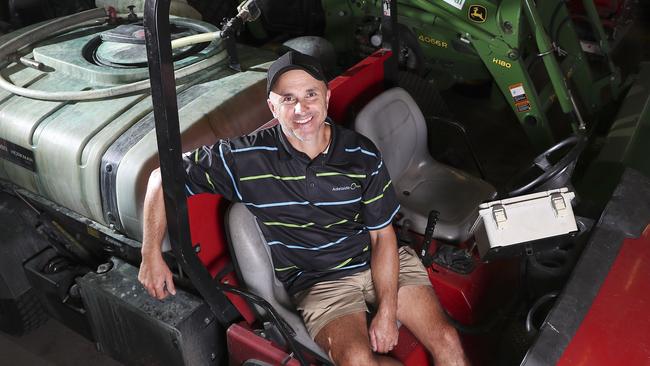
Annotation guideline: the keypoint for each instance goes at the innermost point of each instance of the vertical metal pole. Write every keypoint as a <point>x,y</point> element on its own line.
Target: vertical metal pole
<point>389,20</point>
<point>165,109</point>
<point>546,51</point>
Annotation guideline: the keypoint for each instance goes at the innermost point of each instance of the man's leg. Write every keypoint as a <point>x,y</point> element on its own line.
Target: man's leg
<point>346,340</point>
<point>418,309</point>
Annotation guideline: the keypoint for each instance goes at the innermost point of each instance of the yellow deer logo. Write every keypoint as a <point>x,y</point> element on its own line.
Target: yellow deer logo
<point>477,13</point>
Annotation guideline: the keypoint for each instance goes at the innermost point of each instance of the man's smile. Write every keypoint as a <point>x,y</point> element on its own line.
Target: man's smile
<point>303,120</point>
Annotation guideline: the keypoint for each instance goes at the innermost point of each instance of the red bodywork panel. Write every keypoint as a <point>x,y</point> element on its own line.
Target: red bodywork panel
<point>357,86</point>
<point>616,329</point>
<point>244,344</point>
<point>207,229</point>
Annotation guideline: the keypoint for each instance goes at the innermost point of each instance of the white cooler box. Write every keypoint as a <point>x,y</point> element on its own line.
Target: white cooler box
<point>524,219</point>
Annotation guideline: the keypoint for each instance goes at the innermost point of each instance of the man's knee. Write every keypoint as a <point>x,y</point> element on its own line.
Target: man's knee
<point>447,333</point>
<point>354,356</point>
<point>444,338</point>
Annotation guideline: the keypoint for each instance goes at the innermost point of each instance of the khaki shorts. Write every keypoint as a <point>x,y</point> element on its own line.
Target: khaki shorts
<point>328,300</point>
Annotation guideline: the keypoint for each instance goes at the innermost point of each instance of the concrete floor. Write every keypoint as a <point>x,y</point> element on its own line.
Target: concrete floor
<point>52,344</point>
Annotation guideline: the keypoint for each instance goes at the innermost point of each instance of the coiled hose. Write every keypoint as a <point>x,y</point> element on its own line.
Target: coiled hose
<point>47,29</point>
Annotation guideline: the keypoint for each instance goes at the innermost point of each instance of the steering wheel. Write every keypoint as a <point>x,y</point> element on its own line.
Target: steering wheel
<point>549,170</point>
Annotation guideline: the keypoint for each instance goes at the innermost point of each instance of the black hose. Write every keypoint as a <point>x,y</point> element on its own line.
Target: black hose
<point>556,10</point>
<point>530,328</point>
<point>559,27</point>
<point>283,327</point>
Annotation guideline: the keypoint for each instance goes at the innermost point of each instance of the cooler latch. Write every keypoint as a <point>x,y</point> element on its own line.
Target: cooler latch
<point>559,205</point>
<point>499,215</point>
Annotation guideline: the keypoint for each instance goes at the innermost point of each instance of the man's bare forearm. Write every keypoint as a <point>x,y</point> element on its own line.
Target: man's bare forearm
<point>385,269</point>
<point>154,219</point>
<point>154,274</point>
<point>384,265</point>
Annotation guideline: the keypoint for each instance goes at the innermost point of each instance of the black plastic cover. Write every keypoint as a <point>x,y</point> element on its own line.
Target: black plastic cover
<point>136,329</point>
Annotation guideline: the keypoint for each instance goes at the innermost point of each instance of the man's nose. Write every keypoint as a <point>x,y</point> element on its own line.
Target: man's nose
<point>297,108</point>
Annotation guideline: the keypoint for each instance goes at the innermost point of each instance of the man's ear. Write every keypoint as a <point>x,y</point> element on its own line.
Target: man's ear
<point>271,107</point>
<point>327,97</point>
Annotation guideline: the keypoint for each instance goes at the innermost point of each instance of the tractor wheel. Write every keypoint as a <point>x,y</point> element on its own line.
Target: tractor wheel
<point>21,315</point>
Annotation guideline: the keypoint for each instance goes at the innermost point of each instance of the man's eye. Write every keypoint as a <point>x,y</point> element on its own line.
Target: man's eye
<point>312,95</point>
<point>288,99</point>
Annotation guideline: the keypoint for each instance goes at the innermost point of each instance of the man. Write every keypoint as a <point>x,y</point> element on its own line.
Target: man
<point>324,202</point>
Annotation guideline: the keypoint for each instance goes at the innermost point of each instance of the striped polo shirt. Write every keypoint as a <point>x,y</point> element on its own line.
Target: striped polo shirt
<point>315,214</point>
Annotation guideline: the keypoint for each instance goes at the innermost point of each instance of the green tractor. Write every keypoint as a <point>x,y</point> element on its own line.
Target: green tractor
<point>534,53</point>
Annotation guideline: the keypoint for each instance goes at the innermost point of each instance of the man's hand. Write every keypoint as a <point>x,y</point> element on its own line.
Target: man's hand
<point>383,333</point>
<point>156,277</point>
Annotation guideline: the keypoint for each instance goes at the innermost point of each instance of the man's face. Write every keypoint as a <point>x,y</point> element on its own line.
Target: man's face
<point>299,102</point>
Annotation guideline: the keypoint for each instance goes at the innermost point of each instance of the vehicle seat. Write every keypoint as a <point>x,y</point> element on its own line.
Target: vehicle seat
<point>252,259</point>
<point>393,121</point>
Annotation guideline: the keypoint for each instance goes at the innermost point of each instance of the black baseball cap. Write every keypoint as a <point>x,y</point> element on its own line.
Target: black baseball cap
<point>294,60</point>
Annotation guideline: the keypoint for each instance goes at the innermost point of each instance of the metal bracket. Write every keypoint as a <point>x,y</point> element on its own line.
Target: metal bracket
<point>500,217</point>
<point>559,205</point>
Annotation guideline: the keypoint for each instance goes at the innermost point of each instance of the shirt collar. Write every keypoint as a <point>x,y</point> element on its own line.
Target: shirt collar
<point>287,151</point>
<point>334,154</point>
<point>284,152</point>
<point>332,157</point>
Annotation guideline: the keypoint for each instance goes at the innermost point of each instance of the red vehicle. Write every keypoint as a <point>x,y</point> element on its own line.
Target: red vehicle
<point>570,299</point>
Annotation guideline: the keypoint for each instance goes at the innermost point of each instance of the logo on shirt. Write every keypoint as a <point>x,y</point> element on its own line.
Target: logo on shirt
<point>351,187</point>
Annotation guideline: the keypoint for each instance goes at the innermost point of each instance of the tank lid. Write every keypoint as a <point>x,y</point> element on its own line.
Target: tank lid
<point>124,46</point>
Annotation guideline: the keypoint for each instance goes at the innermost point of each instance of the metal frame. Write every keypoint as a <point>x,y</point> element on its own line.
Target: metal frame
<point>163,93</point>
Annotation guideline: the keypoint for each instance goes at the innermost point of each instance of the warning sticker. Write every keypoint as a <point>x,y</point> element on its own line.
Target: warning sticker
<point>518,93</point>
<point>519,96</point>
<point>522,106</point>
<point>458,4</point>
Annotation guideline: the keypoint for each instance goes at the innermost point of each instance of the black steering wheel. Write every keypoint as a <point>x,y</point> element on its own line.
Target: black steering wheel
<point>576,143</point>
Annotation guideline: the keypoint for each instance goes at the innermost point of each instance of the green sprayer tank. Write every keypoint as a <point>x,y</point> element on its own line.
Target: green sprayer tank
<point>76,121</point>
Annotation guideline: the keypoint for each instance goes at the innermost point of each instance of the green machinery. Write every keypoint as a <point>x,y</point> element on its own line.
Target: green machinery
<point>459,41</point>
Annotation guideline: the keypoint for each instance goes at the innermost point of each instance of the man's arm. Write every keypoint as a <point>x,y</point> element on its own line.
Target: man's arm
<point>385,270</point>
<point>154,273</point>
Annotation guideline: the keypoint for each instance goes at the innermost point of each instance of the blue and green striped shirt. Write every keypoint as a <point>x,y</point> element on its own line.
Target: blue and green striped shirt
<point>315,214</point>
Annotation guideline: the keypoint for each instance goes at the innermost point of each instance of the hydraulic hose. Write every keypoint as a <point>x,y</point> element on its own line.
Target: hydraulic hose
<point>46,30</point>
<point>194,39</point>
<point>107,92</point>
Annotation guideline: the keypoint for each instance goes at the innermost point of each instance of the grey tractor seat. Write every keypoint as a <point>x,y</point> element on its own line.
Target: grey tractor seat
<point>252,258</point>
<point>393,121</point>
